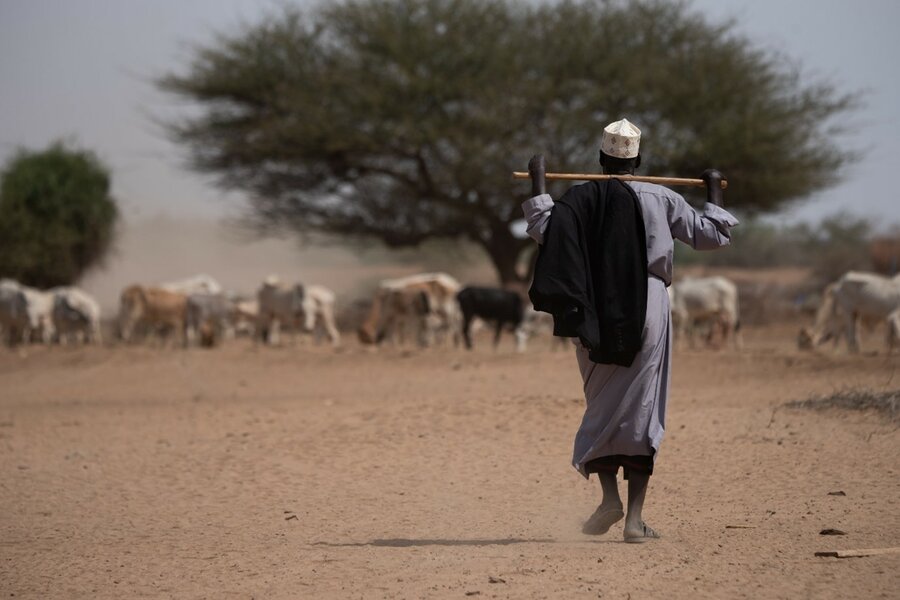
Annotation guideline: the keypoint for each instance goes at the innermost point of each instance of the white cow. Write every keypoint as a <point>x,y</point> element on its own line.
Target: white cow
<point>535,323</point>
<point>423,304</point>
<point>320,302</point>
<point>75,313</point>
<point>856,296</point>
<point>245,316</point>
<point>893,322</point>
<point>40,314</point>
<point>198,284</point>
<point>38,307</point>
<point>208,316</point>
<point>710,300</point>
<point>310,308</point>
<point>15,321</point>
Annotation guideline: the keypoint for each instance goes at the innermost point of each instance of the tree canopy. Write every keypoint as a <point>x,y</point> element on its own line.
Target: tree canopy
<point>57,218</point>
<point>403,119</point>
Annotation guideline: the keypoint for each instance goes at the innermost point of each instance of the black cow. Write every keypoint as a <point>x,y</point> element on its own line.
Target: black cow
<point>491,304</point>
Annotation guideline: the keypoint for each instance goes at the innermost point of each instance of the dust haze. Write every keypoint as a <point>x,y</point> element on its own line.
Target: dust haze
<point>163,248</point>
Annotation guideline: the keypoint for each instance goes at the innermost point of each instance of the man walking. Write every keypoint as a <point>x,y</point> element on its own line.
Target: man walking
<point>603,268</point>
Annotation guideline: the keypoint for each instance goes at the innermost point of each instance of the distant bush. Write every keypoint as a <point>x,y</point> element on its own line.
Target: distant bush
<point>837,244</point>
<point>57,217</point>
<point>885,253</point>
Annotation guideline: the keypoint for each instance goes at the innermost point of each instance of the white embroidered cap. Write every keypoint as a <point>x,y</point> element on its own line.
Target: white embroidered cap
<point>621,139</point>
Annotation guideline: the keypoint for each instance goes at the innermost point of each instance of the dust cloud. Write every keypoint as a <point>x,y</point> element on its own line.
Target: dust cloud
<point>159,249</point>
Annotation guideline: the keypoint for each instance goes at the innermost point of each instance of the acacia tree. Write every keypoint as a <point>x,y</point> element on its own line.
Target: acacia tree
<point>403,119</point>
<point>57,218</point>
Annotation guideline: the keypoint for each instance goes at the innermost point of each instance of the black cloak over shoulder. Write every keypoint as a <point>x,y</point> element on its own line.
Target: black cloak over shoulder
<point>591,271</point>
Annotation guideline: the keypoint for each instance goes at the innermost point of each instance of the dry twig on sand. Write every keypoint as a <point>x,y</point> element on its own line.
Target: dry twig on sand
<point>886,403</point>
<point>859,553</point>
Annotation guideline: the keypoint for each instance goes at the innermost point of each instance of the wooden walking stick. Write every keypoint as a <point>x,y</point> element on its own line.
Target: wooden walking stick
<point>601,177</point>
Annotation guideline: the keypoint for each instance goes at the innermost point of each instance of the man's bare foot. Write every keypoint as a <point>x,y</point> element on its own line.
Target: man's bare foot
<point>640,533</point>
<point>602,519</point>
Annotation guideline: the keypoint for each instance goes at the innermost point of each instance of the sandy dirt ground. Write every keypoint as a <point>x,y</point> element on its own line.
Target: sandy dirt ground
<point>300,472</point>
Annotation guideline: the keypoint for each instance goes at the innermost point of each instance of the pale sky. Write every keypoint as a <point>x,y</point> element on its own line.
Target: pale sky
<point>83,69</point>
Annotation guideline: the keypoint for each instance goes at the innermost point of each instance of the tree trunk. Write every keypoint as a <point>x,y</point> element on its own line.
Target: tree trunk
<point>504,249</point>
<point>532,262</point>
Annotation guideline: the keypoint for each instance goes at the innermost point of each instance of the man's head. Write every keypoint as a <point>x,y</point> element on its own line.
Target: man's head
<point>620,148</point>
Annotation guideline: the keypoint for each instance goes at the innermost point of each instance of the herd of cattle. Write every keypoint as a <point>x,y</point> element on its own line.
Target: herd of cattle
<point>425,309</point>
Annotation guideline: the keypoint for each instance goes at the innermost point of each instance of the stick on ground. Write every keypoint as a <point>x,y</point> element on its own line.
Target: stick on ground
<point>860,552</point>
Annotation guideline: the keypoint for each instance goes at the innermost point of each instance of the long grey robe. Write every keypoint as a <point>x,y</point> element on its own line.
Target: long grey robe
<point>626,406</point>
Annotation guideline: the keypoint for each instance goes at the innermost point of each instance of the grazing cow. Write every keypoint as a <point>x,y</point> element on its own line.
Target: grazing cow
<point>397,312</point>
<point>710,300</point>
<point>855,297</point>
<point>503,307</point>
<point>244,316</point>
<point>320,302</point>
<point>209,316</point>
<point>535,323</point>
<point>151,309</point>
<point>309,308</point>
<point>39,305</point>
<point>424,304</point>
<point>278,303</point>
<point>198,284</point>
<point>893,322</point>
<point>15,321</point>
<point>75,313</point>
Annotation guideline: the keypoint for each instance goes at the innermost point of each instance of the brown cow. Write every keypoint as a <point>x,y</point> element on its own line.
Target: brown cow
<point>151,309</point>
<point>424,305</point>
<point>395,313</point>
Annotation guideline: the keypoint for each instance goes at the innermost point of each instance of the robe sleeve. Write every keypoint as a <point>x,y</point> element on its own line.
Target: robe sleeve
<point>706,230</point>
<point>537,215</point>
